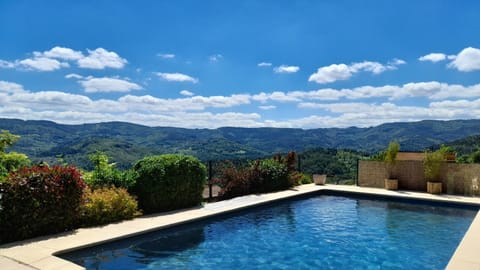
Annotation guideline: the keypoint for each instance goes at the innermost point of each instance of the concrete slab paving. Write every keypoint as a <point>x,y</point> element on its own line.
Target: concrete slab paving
<point>39,253</point>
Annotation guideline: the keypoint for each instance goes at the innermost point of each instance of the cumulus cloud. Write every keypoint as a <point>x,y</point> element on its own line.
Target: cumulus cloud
<point>166,55</point>
<point>275,96</point>
<point>41,64</point>
<point>105,84</point>
<point>331,73</point>
<point>101,59</point>
<point>61,53</point>
<point>59,57</point>
<point>433,57</point>
<point>327,107</point>
<point>337,72</point>
<point>286,69</point>
<point>264,64</point>
<point>467,60</point>
<point>186,93</point>
<point>176,77</point>
<point>10,87</point>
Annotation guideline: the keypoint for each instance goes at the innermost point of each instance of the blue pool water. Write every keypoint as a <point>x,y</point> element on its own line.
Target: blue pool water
<point>323,232</point>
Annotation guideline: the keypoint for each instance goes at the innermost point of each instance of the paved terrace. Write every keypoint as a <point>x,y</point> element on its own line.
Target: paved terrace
<point>39,253</point>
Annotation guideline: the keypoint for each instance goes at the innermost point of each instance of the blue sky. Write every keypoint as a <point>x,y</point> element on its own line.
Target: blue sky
<point>251,63</point>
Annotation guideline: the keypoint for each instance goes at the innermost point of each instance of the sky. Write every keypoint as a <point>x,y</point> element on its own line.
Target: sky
<point>250,63</point>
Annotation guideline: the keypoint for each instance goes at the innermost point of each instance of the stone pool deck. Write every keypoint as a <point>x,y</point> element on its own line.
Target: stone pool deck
<point>38,253</point>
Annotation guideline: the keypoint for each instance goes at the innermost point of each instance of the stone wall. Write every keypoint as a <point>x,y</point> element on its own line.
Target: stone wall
<point>460,179</point>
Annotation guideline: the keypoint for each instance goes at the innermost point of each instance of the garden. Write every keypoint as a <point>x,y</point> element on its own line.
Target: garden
<point>39,199</point>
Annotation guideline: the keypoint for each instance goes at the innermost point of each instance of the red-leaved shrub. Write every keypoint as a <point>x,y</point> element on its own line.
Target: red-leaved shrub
<point>40,200</point>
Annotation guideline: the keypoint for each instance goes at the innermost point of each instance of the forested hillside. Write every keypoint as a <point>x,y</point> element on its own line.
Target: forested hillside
<point>126,143</point>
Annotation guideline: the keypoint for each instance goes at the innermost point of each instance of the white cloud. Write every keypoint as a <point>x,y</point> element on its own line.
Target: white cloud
<point>275,96</point>
<point>166,55</point>
<point>267,107</point>
<point>93,85</point>
<point>467,60</point>
<point>176,77</point>
<point>42,64</point>
<point>286,69</point>
<point>6,64</point>
<point>101,59</point>
<point>48,99</point>
<point>73,75</point>
<point>186,93</point>
<point>337,72</point>
<point>62,53</point>
<point>10,87</point>
<point>433,57</point>
<point>396,62</point>
<point>50,60</point>
<point>331,73</point>
<point>264,64</point>
<point>215,58</point>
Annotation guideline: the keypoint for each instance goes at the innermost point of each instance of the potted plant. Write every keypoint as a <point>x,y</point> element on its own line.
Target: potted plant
<point>390,159</point>
<point>319,179</point>
<point>432,164</point>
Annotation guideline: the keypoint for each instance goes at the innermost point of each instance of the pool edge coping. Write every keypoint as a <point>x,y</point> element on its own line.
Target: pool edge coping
<point>39,253</point>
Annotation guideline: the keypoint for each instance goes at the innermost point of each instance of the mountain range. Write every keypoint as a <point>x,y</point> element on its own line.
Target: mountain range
<point>125,142</point>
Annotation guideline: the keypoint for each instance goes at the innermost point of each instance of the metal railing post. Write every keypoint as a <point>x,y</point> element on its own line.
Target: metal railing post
<point>210,195</point>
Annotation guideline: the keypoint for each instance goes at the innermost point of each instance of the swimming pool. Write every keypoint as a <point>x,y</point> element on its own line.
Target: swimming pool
<point>321,232</point>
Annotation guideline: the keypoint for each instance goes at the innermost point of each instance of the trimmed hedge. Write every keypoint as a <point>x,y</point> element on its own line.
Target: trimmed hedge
<point>168,182</point>
<point>40,200</point>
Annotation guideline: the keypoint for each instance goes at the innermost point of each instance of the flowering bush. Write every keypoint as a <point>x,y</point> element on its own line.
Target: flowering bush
<point>40,200</point>
<point>106,205</point>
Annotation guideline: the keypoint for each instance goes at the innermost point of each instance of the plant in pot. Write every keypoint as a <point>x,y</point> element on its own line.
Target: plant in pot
<point>433,164</point>
<point>390,159</point>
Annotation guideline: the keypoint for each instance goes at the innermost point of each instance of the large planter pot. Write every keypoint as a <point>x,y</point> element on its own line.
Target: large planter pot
<point>319,179</point>
<point>434,187</point>
<point>391,184</point>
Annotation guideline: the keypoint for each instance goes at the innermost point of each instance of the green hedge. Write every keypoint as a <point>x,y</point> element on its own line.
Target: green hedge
<point>40,200</point>
<point>168,182</point>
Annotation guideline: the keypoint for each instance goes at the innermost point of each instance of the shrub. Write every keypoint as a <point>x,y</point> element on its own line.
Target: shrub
<point>433,163</point>
<point>303,179</point>
<point>234,181</point>
<point>390,158</point>
<point>168,182</point>
<point>40,200</point>
<point>105,174</point>
<point>274,176</point>
<point>259,177</point>
<point>108,204</point>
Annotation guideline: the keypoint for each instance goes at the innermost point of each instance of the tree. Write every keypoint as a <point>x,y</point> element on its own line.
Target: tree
<point>475,157</point>
<point>106,174</point>
<point>11,161</point>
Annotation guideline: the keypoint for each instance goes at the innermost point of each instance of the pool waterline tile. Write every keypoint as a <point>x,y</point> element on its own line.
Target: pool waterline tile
<point>41,250</point>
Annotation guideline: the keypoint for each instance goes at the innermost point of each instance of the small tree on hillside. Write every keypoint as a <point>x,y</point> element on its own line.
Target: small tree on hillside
<point>11,161</point>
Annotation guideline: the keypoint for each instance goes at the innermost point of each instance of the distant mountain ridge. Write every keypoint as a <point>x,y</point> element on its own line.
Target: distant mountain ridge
<point>126,142</point>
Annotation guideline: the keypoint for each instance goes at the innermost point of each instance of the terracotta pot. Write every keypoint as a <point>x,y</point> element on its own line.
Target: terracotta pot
<point>391,184</point>
<point>434,187</point>
<point>319,179</point>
